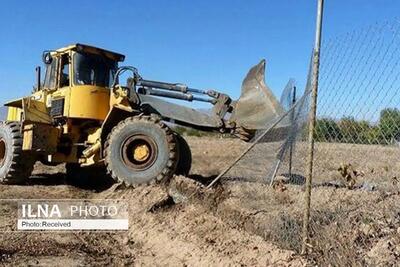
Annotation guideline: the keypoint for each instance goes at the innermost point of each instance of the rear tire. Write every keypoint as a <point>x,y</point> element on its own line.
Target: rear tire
<point>184,156</point>
<point>15,165</point>
<point>140,150</point>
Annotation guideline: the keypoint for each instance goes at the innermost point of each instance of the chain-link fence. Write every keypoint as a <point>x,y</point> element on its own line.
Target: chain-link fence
<point>270,174</point>
<point>355,217</point>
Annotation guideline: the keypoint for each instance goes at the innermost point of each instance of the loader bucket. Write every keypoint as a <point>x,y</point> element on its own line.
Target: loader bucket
<point>257,107</point>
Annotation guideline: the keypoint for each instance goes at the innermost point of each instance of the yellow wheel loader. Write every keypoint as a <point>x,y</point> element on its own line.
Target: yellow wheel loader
<point>81,115</point>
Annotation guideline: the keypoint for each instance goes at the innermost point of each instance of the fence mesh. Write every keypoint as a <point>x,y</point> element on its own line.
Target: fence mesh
<point>272,174</point>
<point>355,217</point>
<point>355,195</point>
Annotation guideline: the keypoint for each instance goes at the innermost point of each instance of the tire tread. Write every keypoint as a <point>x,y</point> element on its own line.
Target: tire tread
<point>169,168</point>
<point>22,164</point>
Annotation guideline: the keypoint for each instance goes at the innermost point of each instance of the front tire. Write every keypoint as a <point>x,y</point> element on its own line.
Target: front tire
<point>140,150</point>
<point>16,165</point>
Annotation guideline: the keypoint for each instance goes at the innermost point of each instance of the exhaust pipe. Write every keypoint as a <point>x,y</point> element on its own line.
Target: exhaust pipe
<point>38,78</point>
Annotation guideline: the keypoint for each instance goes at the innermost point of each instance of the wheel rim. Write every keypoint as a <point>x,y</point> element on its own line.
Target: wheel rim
<point>139,152</point>
<point>2,151</point>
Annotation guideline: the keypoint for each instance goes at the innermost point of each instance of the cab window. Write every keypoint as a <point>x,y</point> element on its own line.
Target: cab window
<point>93,69</point>
<point>65,78</point>
<point>50,77</point>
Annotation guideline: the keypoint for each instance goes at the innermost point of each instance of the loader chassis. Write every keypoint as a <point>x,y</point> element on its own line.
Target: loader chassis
<point>82,116</point>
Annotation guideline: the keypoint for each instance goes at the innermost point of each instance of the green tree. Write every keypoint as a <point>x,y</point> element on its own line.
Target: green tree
<point>350,130</point>
<point>327,130</point>
<point>374,136</point>
<point>389,124</point>
<point>365,132</point>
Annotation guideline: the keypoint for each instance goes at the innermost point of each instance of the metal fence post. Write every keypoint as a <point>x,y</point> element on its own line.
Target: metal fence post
<point>312,122</point>
<point>292,133</point>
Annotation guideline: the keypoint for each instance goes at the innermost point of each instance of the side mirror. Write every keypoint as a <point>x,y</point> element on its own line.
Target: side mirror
<point>47,58</point>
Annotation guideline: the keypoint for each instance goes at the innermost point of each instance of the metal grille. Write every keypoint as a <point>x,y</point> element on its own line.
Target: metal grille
<point>57,107</point>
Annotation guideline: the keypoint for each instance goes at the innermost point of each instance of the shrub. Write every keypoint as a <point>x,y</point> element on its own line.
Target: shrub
<point>349,130</point>
<point>327,130</point>
<point>389,124</point>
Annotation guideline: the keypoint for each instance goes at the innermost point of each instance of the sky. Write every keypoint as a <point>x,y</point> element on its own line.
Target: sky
<point>204,44</point>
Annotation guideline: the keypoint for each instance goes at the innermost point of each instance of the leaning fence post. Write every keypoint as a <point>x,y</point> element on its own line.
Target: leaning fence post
<point>312,121</point>
<point>292,135</point>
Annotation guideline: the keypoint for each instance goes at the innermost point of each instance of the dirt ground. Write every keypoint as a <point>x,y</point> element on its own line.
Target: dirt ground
<point>237,223</point>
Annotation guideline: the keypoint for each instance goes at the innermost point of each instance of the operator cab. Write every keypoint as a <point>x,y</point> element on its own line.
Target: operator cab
<point>78,65</point>
<point>77,81</point>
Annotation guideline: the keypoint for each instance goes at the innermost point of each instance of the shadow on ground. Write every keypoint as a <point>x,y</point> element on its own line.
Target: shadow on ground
<point>97,184</point>
<point>205,180</point>
<point>295,179</point>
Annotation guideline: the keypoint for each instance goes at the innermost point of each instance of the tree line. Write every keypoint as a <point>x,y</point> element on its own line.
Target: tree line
<point>349,130</point>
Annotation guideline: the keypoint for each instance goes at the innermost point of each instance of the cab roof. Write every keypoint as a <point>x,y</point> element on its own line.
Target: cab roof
<point>91,49</point>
